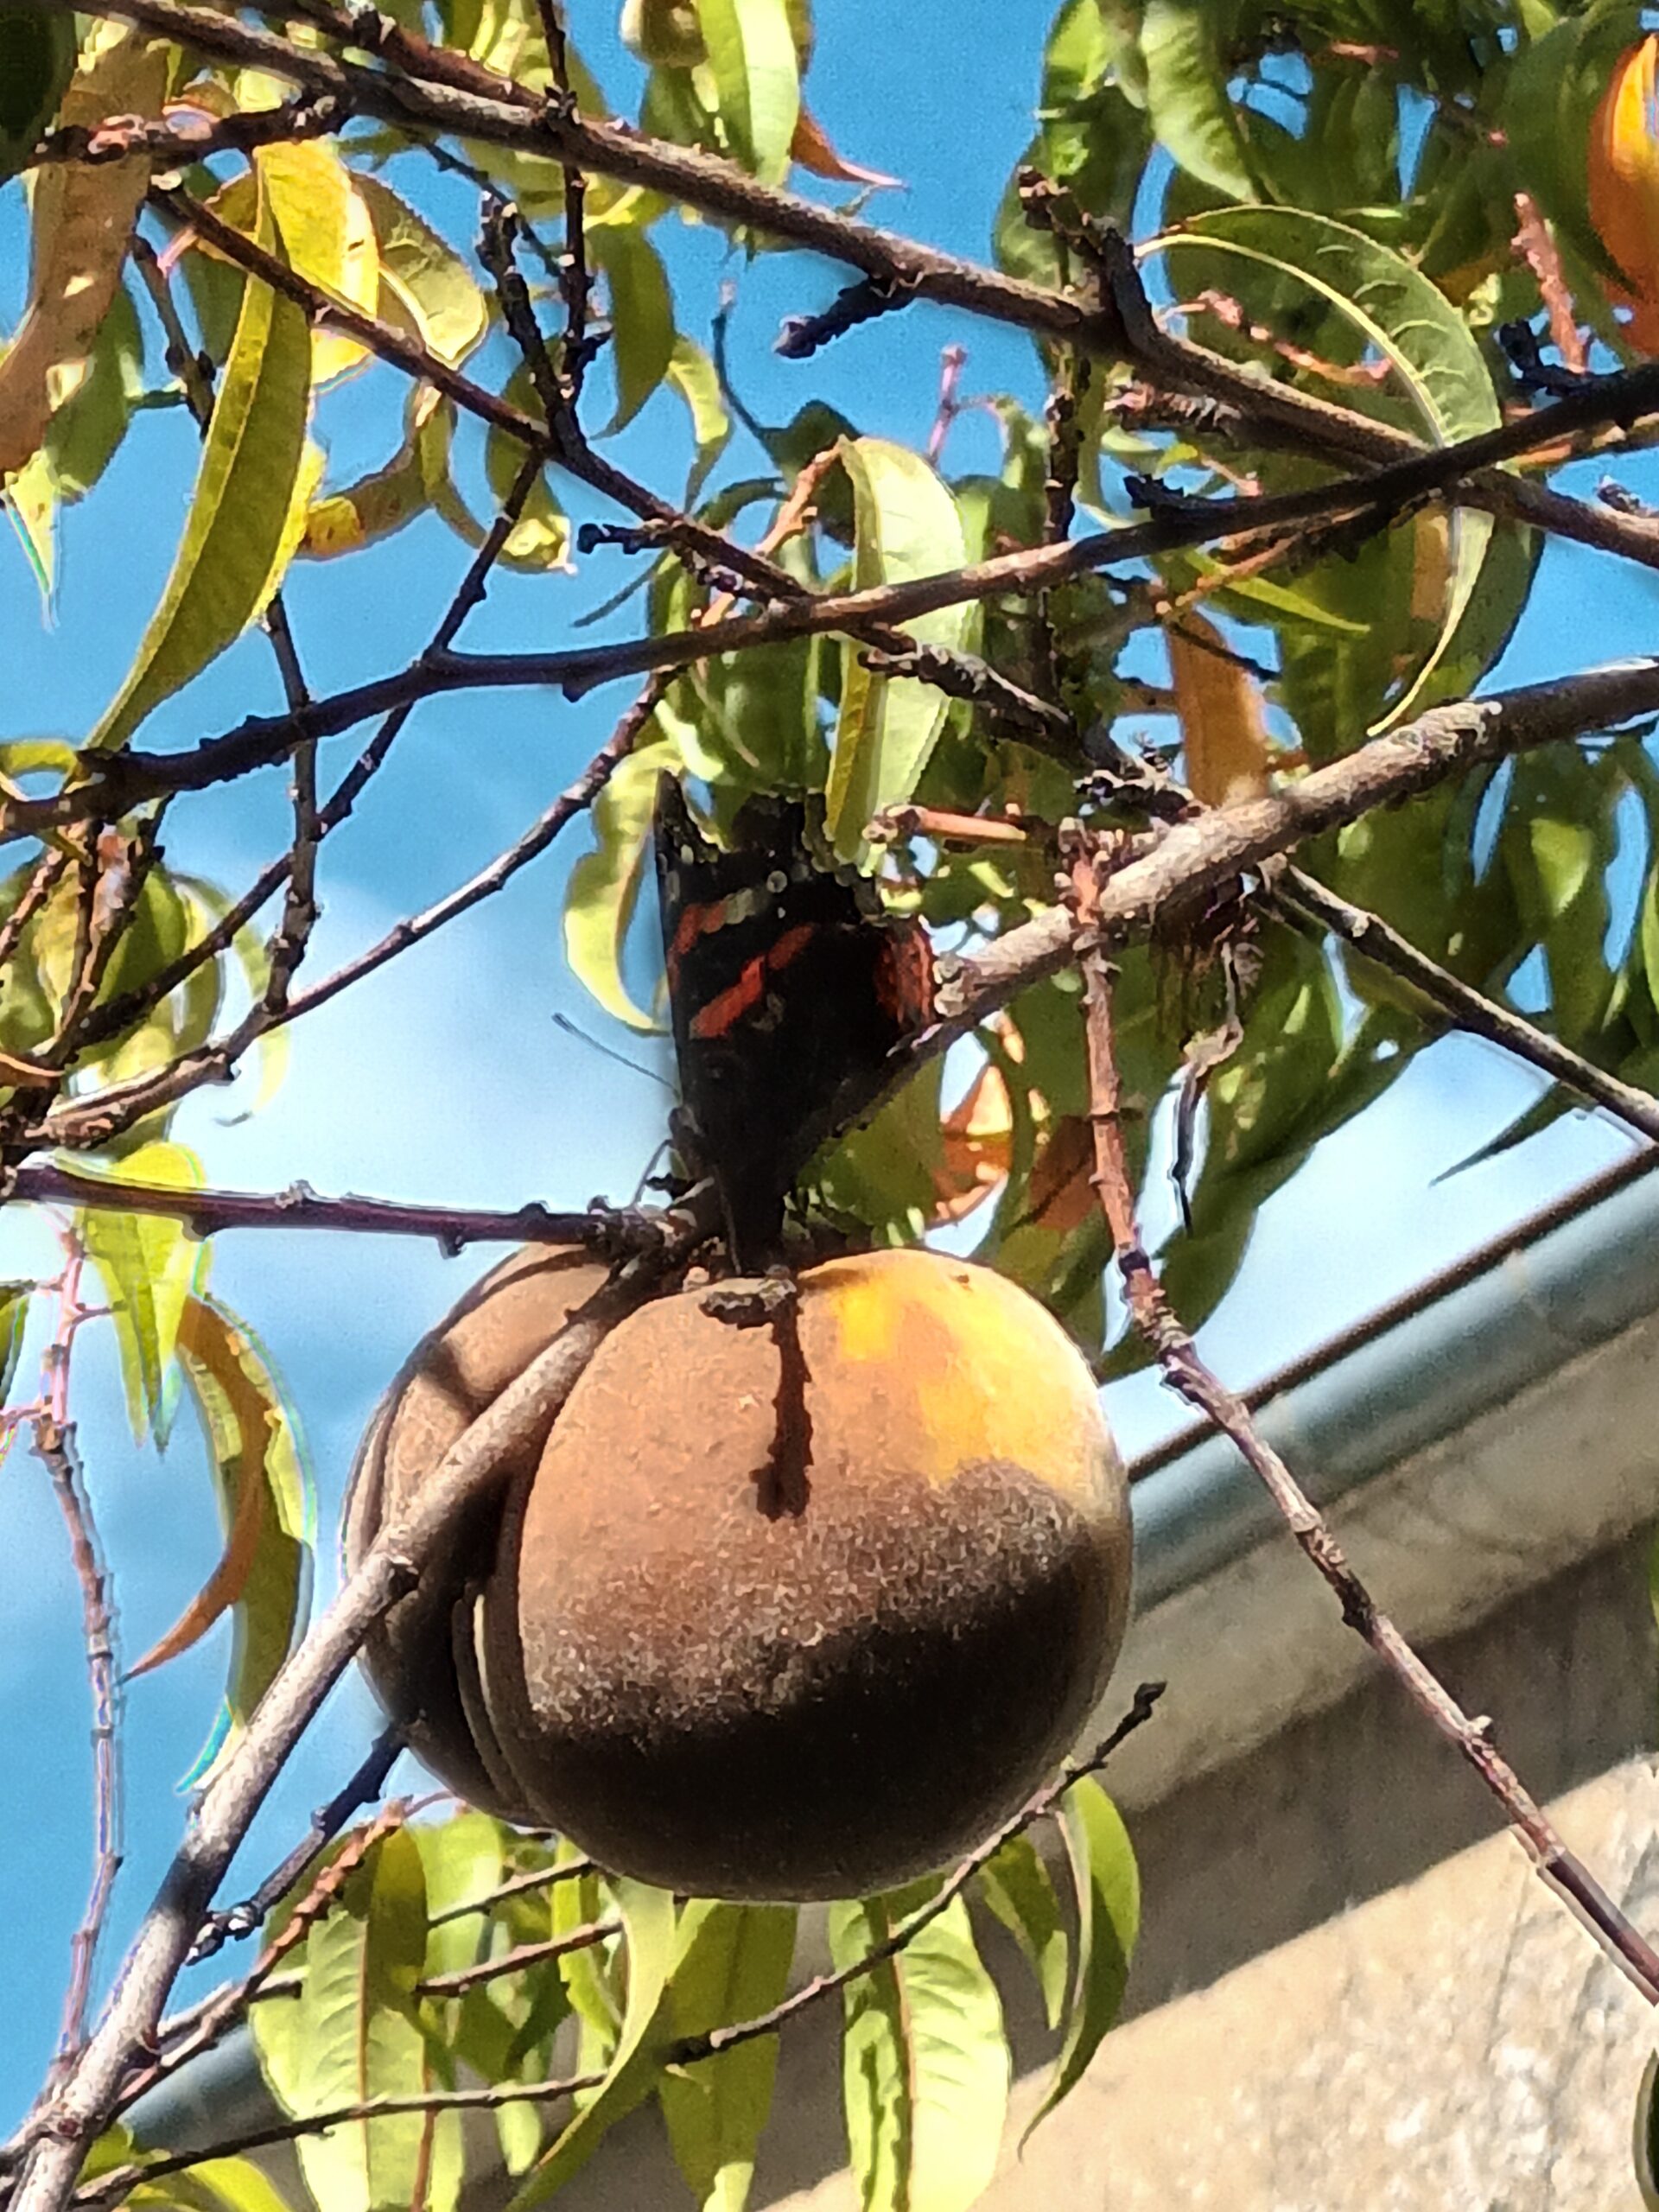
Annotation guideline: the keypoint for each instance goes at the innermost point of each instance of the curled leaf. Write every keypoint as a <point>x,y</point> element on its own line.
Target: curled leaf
<point>811,150</point>
<point>266,1573</point>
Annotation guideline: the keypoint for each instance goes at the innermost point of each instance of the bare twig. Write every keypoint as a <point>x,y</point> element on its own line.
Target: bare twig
<point>1374,939</point>
<point>207,1212</point>
<point>231,1923</point>
<point>538,1877</point>
<point>516,1960</point>
<point>1187,1375</point>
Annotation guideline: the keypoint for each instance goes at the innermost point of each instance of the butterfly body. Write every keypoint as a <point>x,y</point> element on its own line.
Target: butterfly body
<point>789,990</point>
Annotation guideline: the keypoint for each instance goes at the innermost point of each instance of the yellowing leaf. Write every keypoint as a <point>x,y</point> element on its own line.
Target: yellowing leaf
<point>328,237</point>
<point>254,1444</point>
<point>1223,736</point>
<point>245,511</point>
<point>82,222</point>
<point>905,524</point>
<point>811,147</point>
<point>423,272</point>
<point>376,505</point>
<point>1622,165</point>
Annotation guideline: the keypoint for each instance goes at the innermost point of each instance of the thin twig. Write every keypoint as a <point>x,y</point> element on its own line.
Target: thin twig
<point>515,1962</point>
<point>1471,1009</point>
<point>538,1877</point>
<point>207,1212</point>
<point>54,1441</point>
<point>229,1924</point>
<point>1187,1375</point>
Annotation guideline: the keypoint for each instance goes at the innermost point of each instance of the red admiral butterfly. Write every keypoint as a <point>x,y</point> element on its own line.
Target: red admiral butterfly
<point>790,989</point>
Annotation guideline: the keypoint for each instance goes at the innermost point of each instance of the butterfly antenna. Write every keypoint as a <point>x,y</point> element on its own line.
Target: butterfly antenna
<point>586,1037</point>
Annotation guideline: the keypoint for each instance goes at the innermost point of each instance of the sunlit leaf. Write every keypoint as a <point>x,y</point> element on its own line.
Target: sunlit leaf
<point>81,220</point>
<point>906,525</point>
<point>353,2031</point>
<point>924,2060</point>
<point>1015,1885</point>
<point>648,1921</point>
<point>149,1266</point>
<point>424,272</point>
<point>253,1442</point>
<point>1107,1886</point>
<point>755,72</point>
<point>83,435</point>
<point>1408,321</point>
<point>328,237</point>
<point>732,1965</point>
<point>1224,732</point>
<point>244,511</point>
<point>381,503</point>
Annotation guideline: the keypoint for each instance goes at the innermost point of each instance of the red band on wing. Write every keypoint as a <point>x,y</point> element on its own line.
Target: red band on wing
<point>735,1000</point>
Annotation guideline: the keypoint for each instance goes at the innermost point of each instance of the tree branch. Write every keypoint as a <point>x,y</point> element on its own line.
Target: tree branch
<point>1186,1373</point>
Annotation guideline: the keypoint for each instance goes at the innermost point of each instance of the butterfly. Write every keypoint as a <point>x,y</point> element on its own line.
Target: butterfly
<point>790,989</point>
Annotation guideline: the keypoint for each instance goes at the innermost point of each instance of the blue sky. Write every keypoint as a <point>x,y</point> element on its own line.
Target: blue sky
<point>444,1077</point>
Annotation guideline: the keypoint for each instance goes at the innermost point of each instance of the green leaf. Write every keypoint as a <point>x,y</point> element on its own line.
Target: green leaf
<point>14,1319</point>
<point>1015,1885</point>
<point>37,60</point>
<point>647,1917</point>
<point>1187,96</point>
<point>463,1859</point>
<point>150,1265</point>
<point>925,2061</point>
<point>905,524</point>
<point>1107,1885</point>
<point>353,2031</point>
<point>1407,320</point>
<point>215,2185</point>
<point>83,435</point>
<point>732,1965</point>
<point>265,1483</point>
<point>642,316</point>
<point>692,375</point>
<point>422,274</point>
<point>243,516</point>
<point>604,886</point>
<point>756,78</point>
